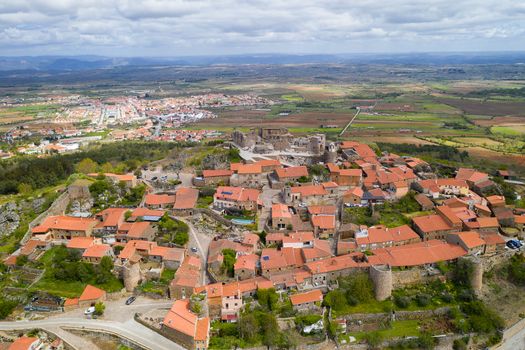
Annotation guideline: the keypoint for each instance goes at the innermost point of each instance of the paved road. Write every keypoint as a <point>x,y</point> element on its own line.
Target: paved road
<point>129,329</point>
<point>513,338</point>
<point>200,241</point>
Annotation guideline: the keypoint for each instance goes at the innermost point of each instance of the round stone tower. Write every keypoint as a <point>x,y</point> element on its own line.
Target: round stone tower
<point>131,276</point>
<point>476,280</point>
<point>331,153</point>
<point>381,276</point>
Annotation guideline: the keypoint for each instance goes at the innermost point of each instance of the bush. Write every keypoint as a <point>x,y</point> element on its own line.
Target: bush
<point>335,299</point>
<point>374,339</point>
<point>423,300</point>
<point>402,301</point>
<point>99,308</point>
<point>459,344</point>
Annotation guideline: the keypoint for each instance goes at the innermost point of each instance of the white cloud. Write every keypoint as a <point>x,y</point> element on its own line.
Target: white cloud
<point>185,27</point>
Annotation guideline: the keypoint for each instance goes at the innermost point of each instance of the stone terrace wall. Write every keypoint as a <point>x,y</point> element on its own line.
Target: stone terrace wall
<point>57,208</point>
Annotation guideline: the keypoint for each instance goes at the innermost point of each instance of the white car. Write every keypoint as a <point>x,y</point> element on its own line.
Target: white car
<point>90,310</point>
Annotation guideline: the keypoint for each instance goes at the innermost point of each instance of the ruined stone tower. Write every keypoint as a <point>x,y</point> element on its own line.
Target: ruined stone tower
<point>381,276</point>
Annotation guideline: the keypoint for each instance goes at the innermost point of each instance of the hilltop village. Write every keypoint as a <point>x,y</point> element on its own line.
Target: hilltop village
<point>291,230</point>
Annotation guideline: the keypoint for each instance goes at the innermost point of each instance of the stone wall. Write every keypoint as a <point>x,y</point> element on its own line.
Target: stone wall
<point>57,208</point>
<point>402,278</point>
<point>210,213</point>
<point>399,315</point>
<point>381,276</point>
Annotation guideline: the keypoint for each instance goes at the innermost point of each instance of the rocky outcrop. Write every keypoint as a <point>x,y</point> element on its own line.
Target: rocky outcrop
<point>9,218</point>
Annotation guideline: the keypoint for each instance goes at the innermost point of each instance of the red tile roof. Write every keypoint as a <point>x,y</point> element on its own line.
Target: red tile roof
<point>307,297</point>
<point>80,242</point>
<point>310,190</point>
<point>416,254</point>
<point>186,198</point>
<point>66,223</point>
<point>96,251</point>
<point>237,194</point>
<point>292,172</point>
<point>280,211</point>
<point>216,173</point>
<point>159,199</point>
<point>382,234</point>
<point>431,223</point>
<point>91,293</point>
<point>23,343</point>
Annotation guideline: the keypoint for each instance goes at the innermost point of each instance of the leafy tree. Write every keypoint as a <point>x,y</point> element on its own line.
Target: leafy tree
<point>106,264</point>
<point>228,261</point>
<point>336,299</point>
<point>6,307</point>
<point>87,166</point>
<point>267,298</point>
<point>516,269</point>
<point>248,327</point>
<point>99,308</point>
<point>24,189</point>
<point>106,168</point>
<point>358,286</point>
<point>462,273</point>
<point>21,260</point>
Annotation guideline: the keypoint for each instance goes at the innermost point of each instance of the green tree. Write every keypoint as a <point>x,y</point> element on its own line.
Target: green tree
<point>21,260</point>
<point>248,327</point>
<point>99,308</point>
<point>25,189</point>
<point>228,261</point>
<point>87,166</point>
<point>336,299</point>
<point>106,264</point>
<point>358,286</point>
<point>267,298</point>
<point>106,168</point>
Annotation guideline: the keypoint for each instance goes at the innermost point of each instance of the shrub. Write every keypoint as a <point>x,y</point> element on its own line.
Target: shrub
<point>402,301</point>
<point>423,300</point>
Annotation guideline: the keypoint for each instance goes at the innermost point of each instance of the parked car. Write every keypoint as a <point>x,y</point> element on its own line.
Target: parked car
<point>513,244</point>
<point>194,249</point>
<point>90,310</point>
<point>130,300</point>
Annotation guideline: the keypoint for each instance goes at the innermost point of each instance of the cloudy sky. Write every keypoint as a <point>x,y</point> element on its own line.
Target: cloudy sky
<point>217,27</point>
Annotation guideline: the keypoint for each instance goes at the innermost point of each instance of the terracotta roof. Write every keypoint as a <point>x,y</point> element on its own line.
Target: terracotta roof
<point>253,168</point>
<point>80,242</point>
<point>280,211</point>
<point>493,239</point>
<point>180,318</point>
<point>112,216</point>
<point>423,200</point>
<point>448,214</point>
<point>298,237</point>
<point>471,175</point>
<point>186,198</point>
<point>91,293</point>
<point>324,221</point>
<point>203,329</point>
<point>356,191</point>
<point>350,172</point>
<point>496,200</point>
<point>250,239</point>
<point>519,219</point>
<point>23,343</point>
<point>138,229</point>
<point>308,297</point>
<point>67,223</point>
<point>146,212</point>
<point>159,199</point>
<point>322,209</point>
<point>431,223</point>
<point>382,234</point>
<point>421,253</point>
<point>296,171</point>
<point>96,251</point>
<point>336,263</point>
<point>71,302</point>
<point>486,222</point>
<point>238,194</point>
<point>471,239</point>
<point>310,190</point>
<point>246,262</point>
<point>216,173</point>
<point>31,245</point>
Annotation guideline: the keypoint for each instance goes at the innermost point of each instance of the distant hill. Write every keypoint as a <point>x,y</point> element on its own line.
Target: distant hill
<point>77,63</point>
